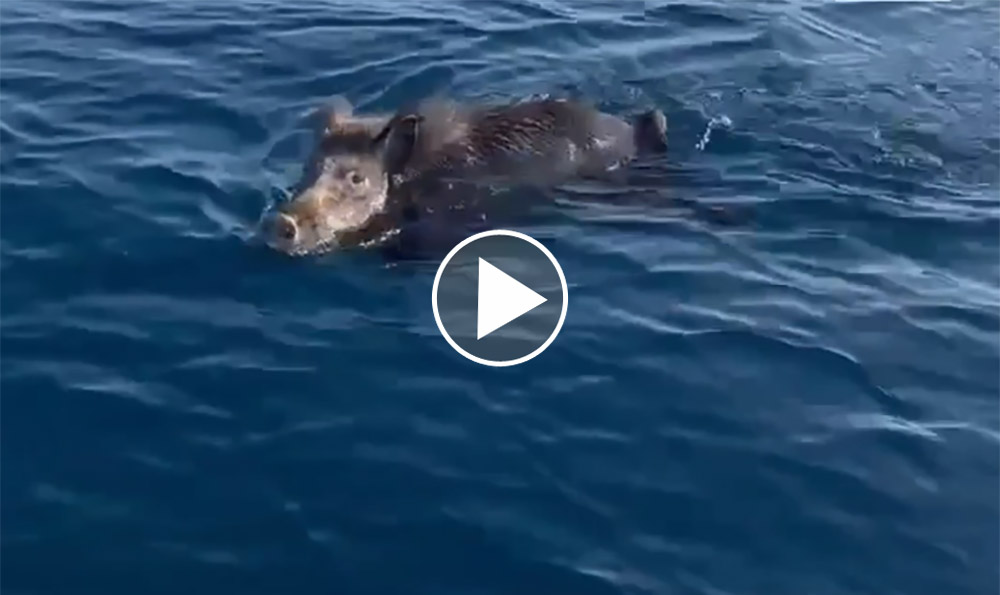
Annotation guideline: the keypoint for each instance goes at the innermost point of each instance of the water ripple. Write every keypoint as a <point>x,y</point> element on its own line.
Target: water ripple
<point>795,392</point>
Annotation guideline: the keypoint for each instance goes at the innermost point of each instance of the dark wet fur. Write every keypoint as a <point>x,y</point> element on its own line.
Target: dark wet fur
<point>524,142</point>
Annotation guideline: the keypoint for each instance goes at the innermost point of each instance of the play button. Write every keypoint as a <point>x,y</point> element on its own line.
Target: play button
<point>499,298</point>
<point>502,298</point>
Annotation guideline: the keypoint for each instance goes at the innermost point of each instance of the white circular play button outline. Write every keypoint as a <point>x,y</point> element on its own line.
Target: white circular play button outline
<point>562,282</point>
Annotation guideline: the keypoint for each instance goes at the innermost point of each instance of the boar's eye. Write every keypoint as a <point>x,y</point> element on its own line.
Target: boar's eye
<point>356,178</point>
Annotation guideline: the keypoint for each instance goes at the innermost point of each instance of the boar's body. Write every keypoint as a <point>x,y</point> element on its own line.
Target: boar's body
<point>368,175</point>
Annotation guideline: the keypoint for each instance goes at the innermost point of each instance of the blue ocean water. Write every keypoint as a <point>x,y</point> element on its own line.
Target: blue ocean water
<point>804,402</point>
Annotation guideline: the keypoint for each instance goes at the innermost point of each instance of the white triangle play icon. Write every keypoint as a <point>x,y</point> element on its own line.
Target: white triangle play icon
<point>502,298</point>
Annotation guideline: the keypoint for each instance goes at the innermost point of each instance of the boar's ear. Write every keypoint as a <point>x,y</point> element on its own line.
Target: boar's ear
<point>396,141</point>
<point>335,114</point>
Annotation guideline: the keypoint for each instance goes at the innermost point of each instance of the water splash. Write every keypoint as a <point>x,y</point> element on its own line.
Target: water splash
<point>722,121</point>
